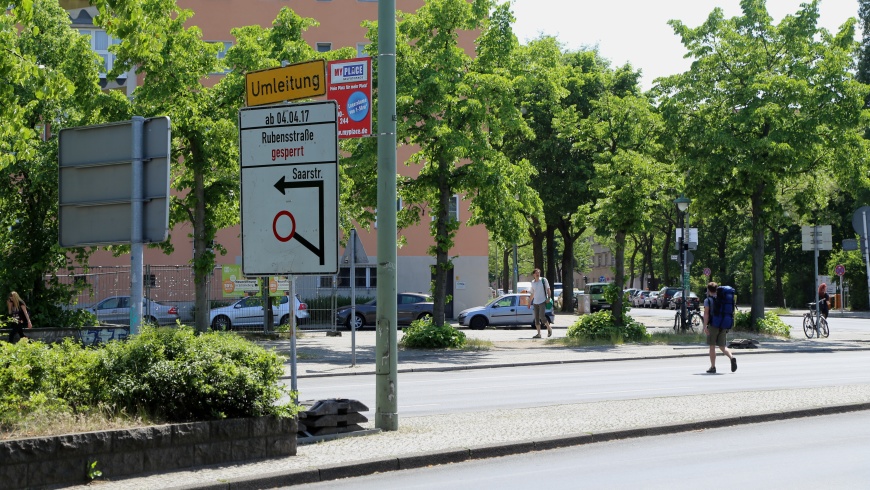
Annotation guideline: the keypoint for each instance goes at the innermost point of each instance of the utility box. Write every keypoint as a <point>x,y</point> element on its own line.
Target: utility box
<point>584,304</point>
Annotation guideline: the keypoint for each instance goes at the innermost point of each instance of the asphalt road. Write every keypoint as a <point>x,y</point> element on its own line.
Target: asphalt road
<point>428,393</point>
<point>809,453</point>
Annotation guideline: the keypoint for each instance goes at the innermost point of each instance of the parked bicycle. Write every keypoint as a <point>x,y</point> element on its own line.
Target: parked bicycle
<point>811,328</point>
<point>694,321</point>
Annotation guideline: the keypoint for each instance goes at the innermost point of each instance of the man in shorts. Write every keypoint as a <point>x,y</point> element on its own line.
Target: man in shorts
<point>540,293</point>
<point>715,335</point>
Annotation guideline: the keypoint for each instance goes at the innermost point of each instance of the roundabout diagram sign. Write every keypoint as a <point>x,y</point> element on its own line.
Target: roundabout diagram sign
<point>289,179</point>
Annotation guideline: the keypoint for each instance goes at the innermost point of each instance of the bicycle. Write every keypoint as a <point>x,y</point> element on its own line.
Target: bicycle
<point>694,321</point>
<point>811,328</point>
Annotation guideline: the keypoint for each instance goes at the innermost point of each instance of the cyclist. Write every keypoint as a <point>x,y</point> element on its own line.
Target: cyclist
<point>824,299</point>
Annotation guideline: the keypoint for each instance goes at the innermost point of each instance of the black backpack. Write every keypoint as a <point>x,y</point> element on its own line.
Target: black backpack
<point>723,308</point>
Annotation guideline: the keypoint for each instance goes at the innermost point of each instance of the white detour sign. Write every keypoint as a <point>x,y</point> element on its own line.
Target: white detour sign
<point>289,179</point>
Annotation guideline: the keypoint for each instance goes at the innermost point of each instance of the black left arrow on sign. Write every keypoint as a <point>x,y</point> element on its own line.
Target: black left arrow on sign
<point>283,185</point>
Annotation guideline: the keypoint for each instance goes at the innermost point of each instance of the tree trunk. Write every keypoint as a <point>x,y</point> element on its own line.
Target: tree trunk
<point>442,243</point>
<point>538,236</point>
<point>550,265</point>
<point>631,262</point>
<point>649,256</point>
<point>506,271</point>
<point>567,272</point>
<point>757,255</point>
<point>620,278</point>
<point>779,292</point>
<point>201,272</point>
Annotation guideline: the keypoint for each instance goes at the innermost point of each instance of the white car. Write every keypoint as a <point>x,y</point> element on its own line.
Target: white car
<point>510,309</point>
<point>639,299</point>
<point>651,301</point>
<point>248,312</point>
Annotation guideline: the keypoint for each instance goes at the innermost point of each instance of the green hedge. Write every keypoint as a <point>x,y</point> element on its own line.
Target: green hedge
<point>170,374</point>
<point>423,334</point>
<point>600,327</point>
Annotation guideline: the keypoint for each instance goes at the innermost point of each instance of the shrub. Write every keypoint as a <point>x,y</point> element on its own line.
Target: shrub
<point>771,324</point>
<point>742,320</point>
<point>164,373</point>
<point>423,334</point>
<point>599,326</point>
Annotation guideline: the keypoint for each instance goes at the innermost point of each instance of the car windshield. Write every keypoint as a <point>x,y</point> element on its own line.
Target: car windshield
<point>504,301</point>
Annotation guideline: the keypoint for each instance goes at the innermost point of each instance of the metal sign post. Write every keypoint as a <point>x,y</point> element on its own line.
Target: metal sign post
<point>114,189</point>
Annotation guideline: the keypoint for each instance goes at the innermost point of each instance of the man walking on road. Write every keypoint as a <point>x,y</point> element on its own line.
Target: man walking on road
<point>539,294</point>
<point>715,335</point>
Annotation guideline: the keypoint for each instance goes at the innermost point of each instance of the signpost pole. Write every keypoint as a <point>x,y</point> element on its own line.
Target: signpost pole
<point>353,297</point>
<point>292,306</point>
<point>137,223</point>
<point>386,348</point>
<point>816,270</point>
<point>866,250</point>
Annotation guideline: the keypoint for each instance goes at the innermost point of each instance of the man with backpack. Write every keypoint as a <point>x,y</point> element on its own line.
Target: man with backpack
<point>719,308</point>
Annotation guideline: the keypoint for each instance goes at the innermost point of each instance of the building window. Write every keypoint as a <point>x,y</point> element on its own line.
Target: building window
<point>222,54</point>
<point>366,277</point>
<point>323,47</point>
<point>452,208</point>
<point>100,42</point>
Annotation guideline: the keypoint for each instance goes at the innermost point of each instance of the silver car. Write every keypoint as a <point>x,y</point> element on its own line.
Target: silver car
<point>248,312</point>
<point>509,309</point>
<point>116,310</point>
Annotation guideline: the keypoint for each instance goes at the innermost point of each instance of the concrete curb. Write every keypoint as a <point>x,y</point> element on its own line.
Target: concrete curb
<point>369,467</point>
<point>820,350</point>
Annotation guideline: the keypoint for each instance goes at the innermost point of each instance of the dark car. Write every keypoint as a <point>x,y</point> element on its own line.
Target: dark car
<point>693,304</point>
<point>666,294</point>
<point>409,307</point>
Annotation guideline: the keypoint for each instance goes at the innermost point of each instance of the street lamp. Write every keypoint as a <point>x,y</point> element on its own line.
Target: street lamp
<point>682,203</point>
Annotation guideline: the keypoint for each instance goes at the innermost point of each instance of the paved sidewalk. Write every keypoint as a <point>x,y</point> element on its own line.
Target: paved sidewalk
<point>437,439</point>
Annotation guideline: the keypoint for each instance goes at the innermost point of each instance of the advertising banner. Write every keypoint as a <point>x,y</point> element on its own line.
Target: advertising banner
<point>349,83</point>
<point>235,285</point>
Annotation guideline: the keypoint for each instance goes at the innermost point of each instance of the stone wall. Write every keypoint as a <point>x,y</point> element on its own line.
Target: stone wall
<point>66,459</point>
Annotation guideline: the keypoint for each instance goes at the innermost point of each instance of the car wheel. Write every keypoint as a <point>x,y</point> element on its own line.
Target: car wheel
<point>359,323</point>
<point>424,316</point>
<point>285,320</point>
<point>477,323</point>
<point>151,320</point>
<point>221,323</point>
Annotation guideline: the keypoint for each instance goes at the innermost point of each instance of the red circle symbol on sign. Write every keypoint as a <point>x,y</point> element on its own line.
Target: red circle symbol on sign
<point>840,269</point>
<point>292,228</point>
<point>707,271</point>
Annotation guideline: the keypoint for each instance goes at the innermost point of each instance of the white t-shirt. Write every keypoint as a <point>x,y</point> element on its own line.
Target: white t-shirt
<point>539,291</point>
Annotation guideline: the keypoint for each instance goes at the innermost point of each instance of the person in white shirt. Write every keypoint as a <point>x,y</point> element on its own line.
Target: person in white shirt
<point>538,297</point>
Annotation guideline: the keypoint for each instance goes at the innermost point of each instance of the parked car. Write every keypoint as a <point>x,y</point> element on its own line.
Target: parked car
<point>282,315</point>
<point>560,298</point>
<point>595,290</point>
<point>693,304</point>
<point>510,309</point>
<point>666,294</point>
<point>652,300</point>
<point>248,312</point>
<point>409,307</point>
<point>639,299</point>
<point>116,310</point>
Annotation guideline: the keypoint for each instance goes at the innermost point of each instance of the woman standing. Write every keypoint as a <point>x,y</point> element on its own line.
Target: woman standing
<point>824,299</point>
<point>18,312</point>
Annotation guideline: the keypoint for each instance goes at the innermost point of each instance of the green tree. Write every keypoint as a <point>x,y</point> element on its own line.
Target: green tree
<point>457,109</point>
<point>50,80</point>
<point>761,105</point>
<point>177,64</point>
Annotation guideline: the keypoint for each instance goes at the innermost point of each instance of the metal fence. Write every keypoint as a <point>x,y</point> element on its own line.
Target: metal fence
<point>174,285</point>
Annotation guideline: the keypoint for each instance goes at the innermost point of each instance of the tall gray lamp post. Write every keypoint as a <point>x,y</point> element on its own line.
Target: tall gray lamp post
<point>682,203</point>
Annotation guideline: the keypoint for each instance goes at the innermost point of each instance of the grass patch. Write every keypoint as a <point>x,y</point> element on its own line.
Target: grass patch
<point>472,344</point>
<point>55,424</point>
<point>668,338</point>
<point>781,311</point>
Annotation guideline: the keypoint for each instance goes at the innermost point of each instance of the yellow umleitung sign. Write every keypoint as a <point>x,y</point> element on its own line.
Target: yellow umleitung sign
<point>291,82</point>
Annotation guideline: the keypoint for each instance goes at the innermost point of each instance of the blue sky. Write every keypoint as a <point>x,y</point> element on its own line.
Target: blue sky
<point>636,31</point>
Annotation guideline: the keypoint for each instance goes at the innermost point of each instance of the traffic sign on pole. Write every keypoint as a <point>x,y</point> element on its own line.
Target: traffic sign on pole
<point>840,270</point>
<point>289,178</point>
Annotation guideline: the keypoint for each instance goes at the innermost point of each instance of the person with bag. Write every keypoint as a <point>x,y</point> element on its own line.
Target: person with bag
<point>18,312</point>
<point>539,296</point>
<point>719,308</point>
<point>824,300</point>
